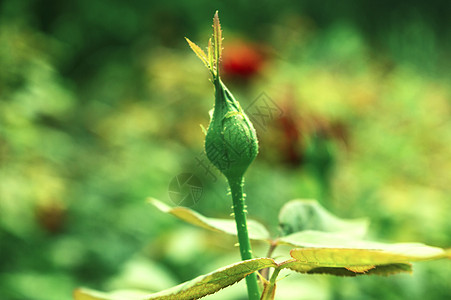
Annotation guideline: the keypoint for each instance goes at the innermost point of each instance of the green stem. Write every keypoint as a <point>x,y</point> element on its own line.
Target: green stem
<point>239,209</point>
<point>270,288</point>
<point>265,272</point>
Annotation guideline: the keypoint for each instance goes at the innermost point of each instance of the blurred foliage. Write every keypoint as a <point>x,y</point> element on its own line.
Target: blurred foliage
<point>100,106</point>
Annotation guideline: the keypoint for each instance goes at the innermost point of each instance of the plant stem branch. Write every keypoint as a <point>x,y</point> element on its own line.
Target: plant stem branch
<point>239,209</point>
<point>265,272</point>
<point>269,291</point>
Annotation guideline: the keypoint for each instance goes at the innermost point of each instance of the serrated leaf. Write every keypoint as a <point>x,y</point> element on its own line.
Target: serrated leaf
<point>194,289</point>
<point>214,281</point>
<point>217,37</point>
<point>211,57</point>
<point>385,270</point>
<point>199,52</point>
<point>306,214</point>
<point>376,258</point>
<point>256,230</point>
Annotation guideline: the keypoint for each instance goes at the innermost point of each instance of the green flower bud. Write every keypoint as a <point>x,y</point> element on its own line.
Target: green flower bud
<point>231,143</point>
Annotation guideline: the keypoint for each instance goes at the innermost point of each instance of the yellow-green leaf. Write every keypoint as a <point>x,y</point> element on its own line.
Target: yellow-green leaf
<point>385,270</point>
<point>381,255</point>
<point>211,57</point>
<point>214,281</point>
<point>360,269</point>
<point>199,52</point>
<point>256,230</point>
<point>87,294</point>
<point>194,289</point>
<point>376,258</point>
<point>217,37</point>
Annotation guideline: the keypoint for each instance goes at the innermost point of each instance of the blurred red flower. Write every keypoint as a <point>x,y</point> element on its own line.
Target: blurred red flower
<point>242,60</point>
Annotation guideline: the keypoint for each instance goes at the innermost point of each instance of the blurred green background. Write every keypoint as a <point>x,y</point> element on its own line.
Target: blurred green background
<point>100,106</point>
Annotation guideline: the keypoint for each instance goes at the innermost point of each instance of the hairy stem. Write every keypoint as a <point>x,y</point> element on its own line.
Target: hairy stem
<point>239,209</point>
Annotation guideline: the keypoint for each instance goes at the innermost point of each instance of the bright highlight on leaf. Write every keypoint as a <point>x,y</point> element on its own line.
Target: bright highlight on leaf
<point>348,257</point>
<point>256,230</point>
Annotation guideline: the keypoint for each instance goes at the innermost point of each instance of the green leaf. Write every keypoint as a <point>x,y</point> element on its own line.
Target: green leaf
<point>369,258</point>
<point>256,230</point>
<point>305,214</point>
<point>214,281</point>
<point>194,289</point>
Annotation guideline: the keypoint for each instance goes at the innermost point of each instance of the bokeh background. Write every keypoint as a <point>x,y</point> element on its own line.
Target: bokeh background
<point>100,106</point>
